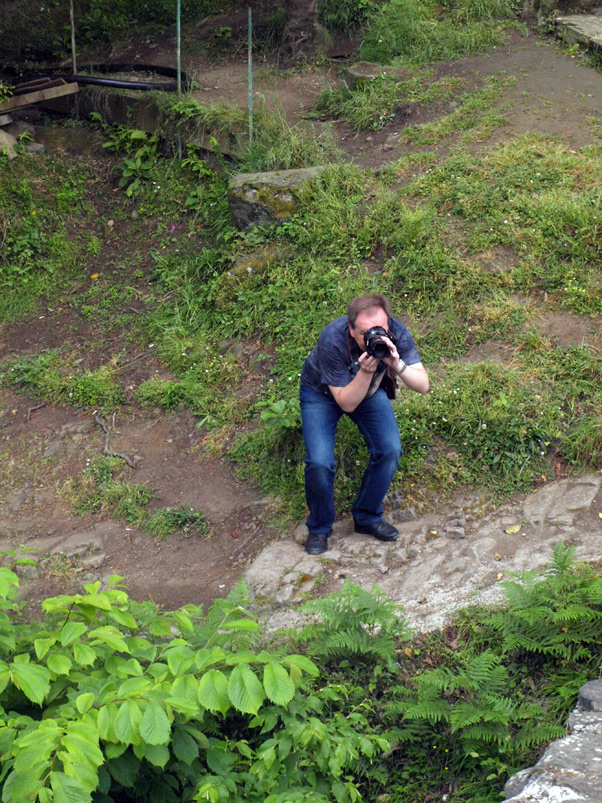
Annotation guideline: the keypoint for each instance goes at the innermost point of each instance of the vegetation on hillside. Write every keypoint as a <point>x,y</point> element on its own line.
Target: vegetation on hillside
<point>109,700</point>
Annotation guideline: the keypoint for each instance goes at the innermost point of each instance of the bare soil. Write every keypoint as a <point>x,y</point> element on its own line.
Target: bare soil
<point>41,447</point>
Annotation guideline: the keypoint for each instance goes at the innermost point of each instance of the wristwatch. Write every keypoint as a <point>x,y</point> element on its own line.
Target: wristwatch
<point>404,365</point>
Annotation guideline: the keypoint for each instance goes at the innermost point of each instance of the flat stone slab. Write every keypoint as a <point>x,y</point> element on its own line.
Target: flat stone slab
<point>430,570</point>
<point>580,29</point>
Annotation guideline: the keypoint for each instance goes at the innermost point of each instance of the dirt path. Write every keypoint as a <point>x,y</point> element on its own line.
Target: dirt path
<point>40,449</point>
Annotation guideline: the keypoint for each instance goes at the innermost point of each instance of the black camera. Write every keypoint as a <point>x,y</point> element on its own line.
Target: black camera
<point>375,345</point>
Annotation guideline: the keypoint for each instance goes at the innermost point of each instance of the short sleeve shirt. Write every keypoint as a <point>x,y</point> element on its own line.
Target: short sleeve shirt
<point>333,361</point>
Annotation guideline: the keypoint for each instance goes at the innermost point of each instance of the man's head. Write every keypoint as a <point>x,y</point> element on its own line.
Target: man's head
<point>364,312</point>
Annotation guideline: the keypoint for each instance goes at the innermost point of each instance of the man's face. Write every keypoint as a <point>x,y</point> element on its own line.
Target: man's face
<point>366,320</point>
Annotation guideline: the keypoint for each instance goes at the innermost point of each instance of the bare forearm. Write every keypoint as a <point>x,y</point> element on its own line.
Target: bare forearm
<point>414,377</point>
<point>353,394</point>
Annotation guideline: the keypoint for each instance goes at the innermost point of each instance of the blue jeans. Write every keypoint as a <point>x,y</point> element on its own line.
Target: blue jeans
<point>375,420</point>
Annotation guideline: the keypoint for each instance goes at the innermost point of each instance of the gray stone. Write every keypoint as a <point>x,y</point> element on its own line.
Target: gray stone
<point>7,144</point>
<point>19,127</point>
<point>582,29</point>
<point>78,544</point>
<point>34,148</point>
<point>5,121</point>
<point>570,769</point>
<point>559,502</point>
<point>590,696</point>
<point>455,532</point>
<point>258,199</point>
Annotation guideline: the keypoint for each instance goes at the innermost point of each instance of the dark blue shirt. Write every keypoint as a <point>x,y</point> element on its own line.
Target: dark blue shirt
<point>334,359</point>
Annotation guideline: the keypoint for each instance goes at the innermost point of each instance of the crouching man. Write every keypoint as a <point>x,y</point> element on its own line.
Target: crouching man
<point>352,371</point>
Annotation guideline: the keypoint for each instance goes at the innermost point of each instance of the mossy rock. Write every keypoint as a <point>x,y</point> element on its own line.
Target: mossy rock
<point>258,199</point>
<point>246,272</point>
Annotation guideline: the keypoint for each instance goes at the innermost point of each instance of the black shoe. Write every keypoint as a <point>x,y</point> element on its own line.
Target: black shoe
<point>380,530</point>
<point>316,543</point>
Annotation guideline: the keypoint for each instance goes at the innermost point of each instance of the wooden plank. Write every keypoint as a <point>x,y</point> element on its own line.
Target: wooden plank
<point>36,97</point>
<point>35,86</point>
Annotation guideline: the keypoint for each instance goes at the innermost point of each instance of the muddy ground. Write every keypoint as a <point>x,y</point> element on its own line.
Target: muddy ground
<point>41,447</point>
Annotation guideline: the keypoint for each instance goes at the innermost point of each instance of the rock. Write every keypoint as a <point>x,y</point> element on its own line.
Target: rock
<point>7,144</point>
<point>5,121</point>
<point>570,769</point>
<point>455,532</point>
<point>558,502</point>
<point>19,127</point>
<point>582,29</point>
<point>362,73</point>
<point>34,148</point>
<point>258,199</point>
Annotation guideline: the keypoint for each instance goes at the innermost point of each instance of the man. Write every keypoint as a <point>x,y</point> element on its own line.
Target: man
<point>340,377</point>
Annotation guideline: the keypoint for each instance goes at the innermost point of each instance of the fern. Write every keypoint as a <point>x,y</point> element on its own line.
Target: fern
<point>357,623</point>
<point>558,615</point>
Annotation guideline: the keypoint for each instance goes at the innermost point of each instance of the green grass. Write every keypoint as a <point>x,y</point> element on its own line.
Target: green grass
<point>104,488</point>
<point>424,232</point>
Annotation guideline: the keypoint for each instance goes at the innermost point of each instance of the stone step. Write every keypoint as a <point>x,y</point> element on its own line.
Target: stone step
<point>582,29</point>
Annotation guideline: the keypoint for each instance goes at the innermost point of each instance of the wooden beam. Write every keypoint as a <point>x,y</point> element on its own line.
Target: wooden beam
<point>36,97</point>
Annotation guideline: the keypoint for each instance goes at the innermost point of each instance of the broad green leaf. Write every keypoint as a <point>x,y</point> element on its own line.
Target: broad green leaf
<point>161,626</point>
<point>33,680</point>
<point>7,579</point>
<point>278,686</point>
<point>302,662</point>
<point>123,667</point>
<point>83,655</point>
<point>184,746</point>
<point>155,727</point>
<point>106,722</point>
<point>135,687</point>
<point>240,624</point>
<point>111,636</point>
<point>45,795</point>
<point>123,618</point>
<point>213,691</point>
<point>179,660</point>
<point>22,786</point>
<point>244,689</point>
<point>186,686</point>
<point>124,769</point>
<point>127,722</point>
<point>184,621</point>
<point>100,601</point>
<point>59,664</point>
<point>4,677</point>
<point>115,750</point>
<point>157,754</point>
<point>42,645</point>
<point>72,631</point>
<point>205,658</point>
<point>84,702</point>
<point>183,705</point>
<point>68,790</point>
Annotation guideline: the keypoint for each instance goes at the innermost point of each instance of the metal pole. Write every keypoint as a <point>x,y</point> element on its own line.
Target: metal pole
<point>72,16</point>
<point>179,70</point>
<point>250,78</point>
<point>179,50</point>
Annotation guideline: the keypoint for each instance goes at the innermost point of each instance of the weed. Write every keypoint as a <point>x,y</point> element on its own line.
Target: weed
<point>165,521</point>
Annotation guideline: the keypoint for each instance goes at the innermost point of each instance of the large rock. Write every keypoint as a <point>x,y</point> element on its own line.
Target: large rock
<point>580,29</point>
<point>258,199</point>
<point>7,144</point>
<point>570,770</point>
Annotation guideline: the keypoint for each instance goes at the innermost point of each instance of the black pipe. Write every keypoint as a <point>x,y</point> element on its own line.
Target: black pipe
<point>145,86</point>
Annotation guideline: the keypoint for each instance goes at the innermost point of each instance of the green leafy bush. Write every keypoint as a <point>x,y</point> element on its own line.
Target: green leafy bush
<point>107,699</point>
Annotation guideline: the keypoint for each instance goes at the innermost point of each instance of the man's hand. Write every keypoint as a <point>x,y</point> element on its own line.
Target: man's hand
<point>414,376</point>
<point>367,363</point>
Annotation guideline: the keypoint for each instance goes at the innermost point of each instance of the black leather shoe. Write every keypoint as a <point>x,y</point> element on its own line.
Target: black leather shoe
<point>316,543</point>
<point>380,530</point>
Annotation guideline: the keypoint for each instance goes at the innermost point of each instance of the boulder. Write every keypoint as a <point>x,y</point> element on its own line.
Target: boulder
<point>258,199</point>
<point>7,144</point>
